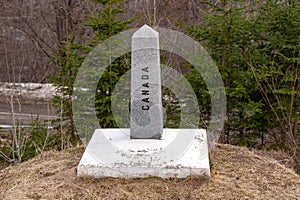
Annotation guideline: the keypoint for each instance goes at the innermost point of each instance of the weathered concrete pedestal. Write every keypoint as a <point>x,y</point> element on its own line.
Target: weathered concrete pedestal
<point>124,159</point>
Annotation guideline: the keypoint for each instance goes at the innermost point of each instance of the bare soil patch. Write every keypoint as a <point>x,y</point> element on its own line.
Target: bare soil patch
<point>236,173</point>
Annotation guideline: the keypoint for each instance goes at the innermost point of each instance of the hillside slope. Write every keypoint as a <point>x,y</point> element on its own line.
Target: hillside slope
<point>237,173</point>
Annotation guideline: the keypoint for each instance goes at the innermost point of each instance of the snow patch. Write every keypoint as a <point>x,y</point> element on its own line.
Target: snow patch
<point>37,91</point>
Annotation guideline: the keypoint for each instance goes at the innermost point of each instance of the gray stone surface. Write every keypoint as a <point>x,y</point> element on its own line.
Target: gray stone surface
<point>146,117</point>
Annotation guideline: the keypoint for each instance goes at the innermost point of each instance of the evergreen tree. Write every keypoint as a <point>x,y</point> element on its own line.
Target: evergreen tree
<point>104,24</point>
<point>256,47</point>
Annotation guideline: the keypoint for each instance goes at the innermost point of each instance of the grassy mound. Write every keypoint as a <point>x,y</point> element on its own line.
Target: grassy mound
<point>236,173</point>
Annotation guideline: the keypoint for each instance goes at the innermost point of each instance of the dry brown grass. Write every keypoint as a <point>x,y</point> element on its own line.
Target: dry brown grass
<point>237,173</point>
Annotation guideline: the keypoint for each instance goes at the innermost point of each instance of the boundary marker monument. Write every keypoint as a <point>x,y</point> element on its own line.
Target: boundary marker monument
<point>146,149</point>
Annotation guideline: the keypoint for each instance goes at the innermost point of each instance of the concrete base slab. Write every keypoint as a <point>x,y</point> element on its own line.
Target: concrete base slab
<point>180,153</point>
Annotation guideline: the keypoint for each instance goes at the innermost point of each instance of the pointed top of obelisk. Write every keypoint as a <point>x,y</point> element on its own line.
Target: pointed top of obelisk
<point>145,32</point>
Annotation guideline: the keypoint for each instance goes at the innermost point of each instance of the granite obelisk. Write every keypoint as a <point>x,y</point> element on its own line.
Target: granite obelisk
<point>146,117</point>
